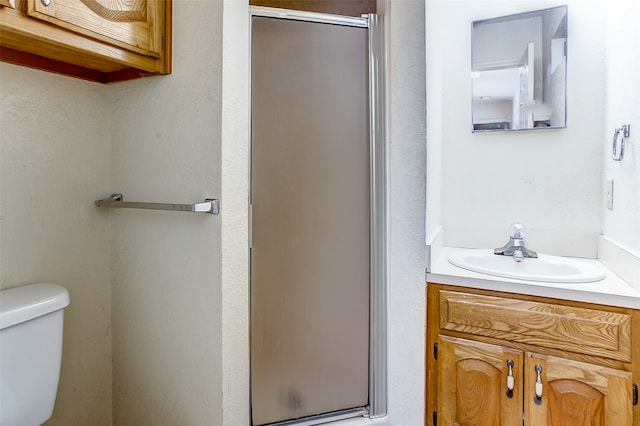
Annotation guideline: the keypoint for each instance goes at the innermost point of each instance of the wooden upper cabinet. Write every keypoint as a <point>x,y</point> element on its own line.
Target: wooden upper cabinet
<point>100,40</point>
<point>131,24</point>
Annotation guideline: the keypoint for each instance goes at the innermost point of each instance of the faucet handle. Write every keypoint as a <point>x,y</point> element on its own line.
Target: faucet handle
<point>517,231</point>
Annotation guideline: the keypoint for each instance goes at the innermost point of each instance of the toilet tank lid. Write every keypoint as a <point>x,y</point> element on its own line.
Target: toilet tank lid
<point>20,304</point>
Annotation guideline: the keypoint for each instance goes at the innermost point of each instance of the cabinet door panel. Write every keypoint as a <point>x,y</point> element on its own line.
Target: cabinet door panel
<point>576,394</point>
<point>574,402</point>
<point>132,24</point>
<point>472,384</point>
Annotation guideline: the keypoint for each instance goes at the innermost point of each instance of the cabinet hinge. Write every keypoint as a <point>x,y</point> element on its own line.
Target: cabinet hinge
<point>635,394</point>
<point>435,350</point>
<point>434,416</point>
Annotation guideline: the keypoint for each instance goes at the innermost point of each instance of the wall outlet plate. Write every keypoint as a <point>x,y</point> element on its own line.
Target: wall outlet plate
<point>609,189</point>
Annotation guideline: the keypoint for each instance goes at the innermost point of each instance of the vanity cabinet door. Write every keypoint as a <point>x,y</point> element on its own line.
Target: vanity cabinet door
<point>473,382</point>
<point>135,25</point>
<point>575,393</point>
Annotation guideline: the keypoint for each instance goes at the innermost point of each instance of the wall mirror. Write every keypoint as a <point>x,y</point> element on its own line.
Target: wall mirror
<point>519,71</point>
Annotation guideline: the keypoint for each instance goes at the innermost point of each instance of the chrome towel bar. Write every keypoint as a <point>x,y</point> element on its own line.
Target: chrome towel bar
<point>210,206</point>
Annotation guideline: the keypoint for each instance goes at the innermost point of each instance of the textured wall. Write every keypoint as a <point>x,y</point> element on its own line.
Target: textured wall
<point>550,179</point>
<point>54,162</point>
<point>165,147</point>
<point>405,36</point>
<point>622,224</point>
<point>235,233</point>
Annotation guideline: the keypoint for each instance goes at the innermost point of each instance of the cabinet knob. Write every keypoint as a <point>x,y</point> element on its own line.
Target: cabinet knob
<point>46,2</point>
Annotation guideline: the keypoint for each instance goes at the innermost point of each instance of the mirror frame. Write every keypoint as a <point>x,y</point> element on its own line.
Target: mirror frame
<point>534,93</point>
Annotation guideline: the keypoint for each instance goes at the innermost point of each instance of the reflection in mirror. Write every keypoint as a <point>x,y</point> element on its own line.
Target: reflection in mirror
<point>518,71</point>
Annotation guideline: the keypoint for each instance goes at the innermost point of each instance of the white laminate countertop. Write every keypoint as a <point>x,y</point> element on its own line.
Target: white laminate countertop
<point>612,290</point>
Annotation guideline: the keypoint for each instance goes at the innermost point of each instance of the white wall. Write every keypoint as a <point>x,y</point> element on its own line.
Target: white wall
<point>167,311</point>
<point>435,60</point>
<point>54,135</point>
<point>622,224</point>
<point>550,180</point>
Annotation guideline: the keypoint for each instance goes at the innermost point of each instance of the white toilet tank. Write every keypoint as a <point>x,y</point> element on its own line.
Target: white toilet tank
<point>30,352</point>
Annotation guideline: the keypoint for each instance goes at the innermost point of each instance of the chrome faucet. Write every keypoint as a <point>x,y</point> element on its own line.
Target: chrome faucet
<point>515,247</point>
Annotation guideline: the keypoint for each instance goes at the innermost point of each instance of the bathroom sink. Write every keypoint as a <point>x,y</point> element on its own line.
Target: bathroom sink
<point>545,268</point>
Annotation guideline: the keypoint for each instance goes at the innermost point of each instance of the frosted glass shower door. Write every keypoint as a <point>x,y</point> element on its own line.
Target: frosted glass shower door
<point>310,196</point>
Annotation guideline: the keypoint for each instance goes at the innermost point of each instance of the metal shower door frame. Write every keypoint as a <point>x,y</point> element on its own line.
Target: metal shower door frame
<point>378,284</point>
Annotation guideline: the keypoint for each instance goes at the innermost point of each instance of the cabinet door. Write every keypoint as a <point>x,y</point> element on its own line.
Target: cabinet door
<point>576,393</point>
<point>472,384</point>
<point>136,25</point>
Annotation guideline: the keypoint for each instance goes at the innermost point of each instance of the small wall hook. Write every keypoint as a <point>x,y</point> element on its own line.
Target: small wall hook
<point>618,141</point>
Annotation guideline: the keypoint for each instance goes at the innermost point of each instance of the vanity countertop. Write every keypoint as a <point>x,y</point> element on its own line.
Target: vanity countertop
<point>612,290</point>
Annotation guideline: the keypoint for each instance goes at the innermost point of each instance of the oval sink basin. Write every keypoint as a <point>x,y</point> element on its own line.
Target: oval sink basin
<point>545,268</point>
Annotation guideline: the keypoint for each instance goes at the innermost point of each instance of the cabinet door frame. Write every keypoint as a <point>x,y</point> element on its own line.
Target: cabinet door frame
<point>140,34</point>
<point>451,351</point>
<point>615,386</point>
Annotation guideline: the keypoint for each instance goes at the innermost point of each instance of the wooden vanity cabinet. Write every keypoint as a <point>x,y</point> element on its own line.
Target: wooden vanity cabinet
<point>100,40</point>
<point>504,359</point>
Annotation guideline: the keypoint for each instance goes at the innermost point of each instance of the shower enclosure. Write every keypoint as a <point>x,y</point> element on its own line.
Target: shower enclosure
<point>318,213</point>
